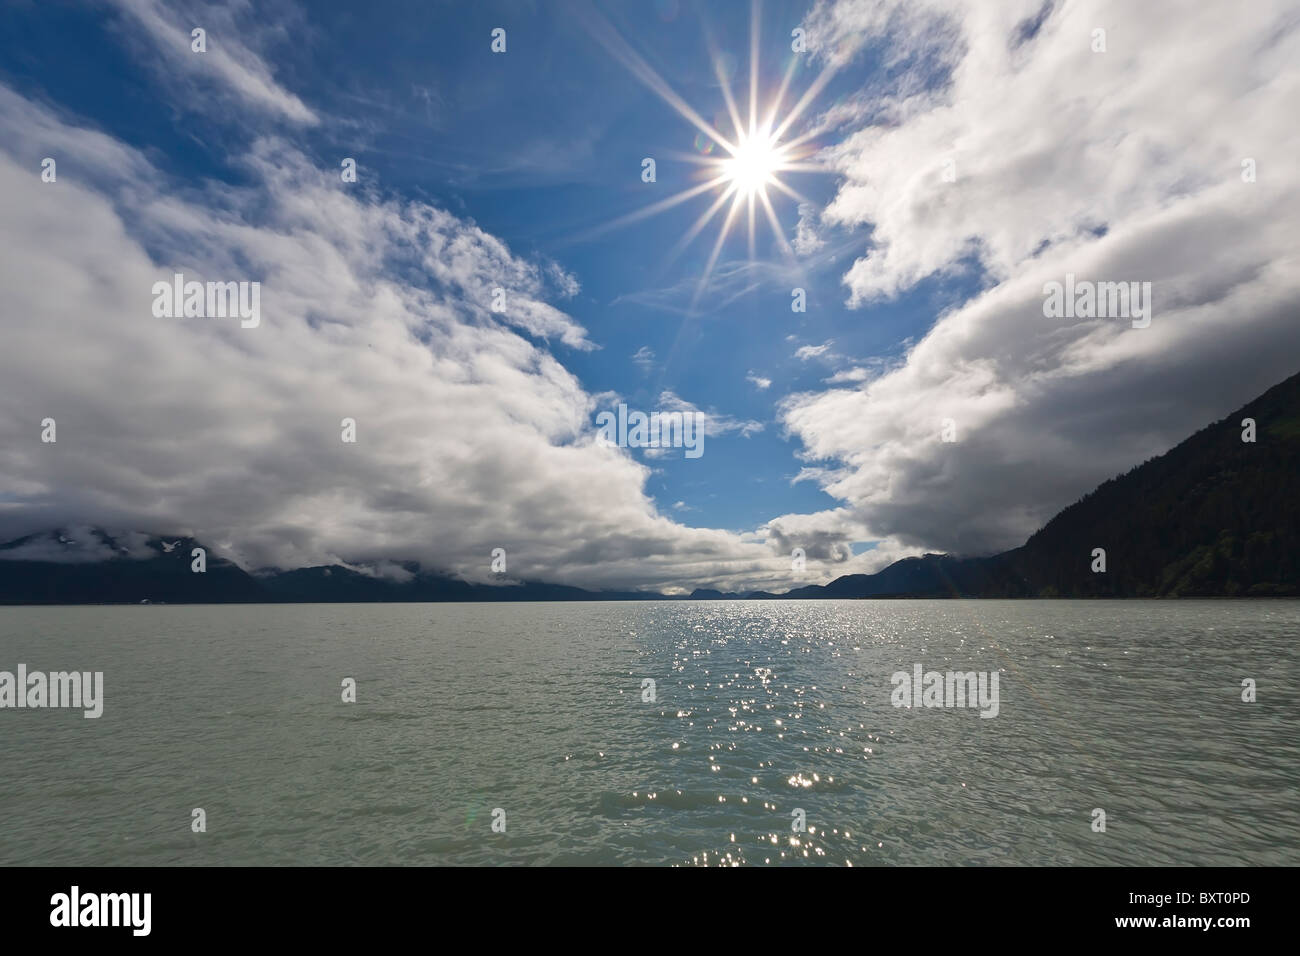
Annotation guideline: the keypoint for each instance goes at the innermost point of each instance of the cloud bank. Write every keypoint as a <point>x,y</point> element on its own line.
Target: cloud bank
<point>1007,147</point>
<point>470,432</point>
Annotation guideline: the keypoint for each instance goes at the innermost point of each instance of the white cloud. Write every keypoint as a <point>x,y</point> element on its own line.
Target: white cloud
<point>1123,165</point>
<point>806,352</point>
<point>473,434</point>
<point>228,64</point>
<point>716,423</point>
<point>807,237</point>
<point>856,374</point>
<point>470,434</point>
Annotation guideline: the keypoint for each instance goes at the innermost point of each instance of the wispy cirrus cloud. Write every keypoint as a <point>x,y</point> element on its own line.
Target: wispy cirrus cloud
<point>806,353</point>
<point>229,66</point>
<point>718,424</point>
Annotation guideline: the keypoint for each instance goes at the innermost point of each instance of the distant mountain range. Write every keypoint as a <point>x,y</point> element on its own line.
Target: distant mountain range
<point>1214,517</point>
<point>94,567</point>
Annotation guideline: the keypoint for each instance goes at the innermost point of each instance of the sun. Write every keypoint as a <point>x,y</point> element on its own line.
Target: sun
<point>754,166</point>
<point>745,173</point>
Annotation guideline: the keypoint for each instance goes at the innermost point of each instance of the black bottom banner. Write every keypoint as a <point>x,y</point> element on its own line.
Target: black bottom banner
<point>1222,906</point>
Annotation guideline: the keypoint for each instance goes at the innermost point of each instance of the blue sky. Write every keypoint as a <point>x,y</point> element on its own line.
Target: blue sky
<point>922,294</point>
<point>540,146</point>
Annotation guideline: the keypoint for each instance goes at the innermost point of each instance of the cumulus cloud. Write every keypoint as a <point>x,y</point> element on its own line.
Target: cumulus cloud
<point>470,433</point>
<point>855,374</point>
<point>1123,165</point>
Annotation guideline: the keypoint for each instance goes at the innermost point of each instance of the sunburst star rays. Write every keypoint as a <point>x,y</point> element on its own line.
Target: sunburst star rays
<point>753,157</point>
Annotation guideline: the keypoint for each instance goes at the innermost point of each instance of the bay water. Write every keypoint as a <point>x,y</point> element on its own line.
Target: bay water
<point>761,716</point>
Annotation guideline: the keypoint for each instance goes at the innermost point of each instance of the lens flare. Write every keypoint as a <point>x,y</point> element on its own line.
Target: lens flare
<point>748,164</point>
<point>753,166</point>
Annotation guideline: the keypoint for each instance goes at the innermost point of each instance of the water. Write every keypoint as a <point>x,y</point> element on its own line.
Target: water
<point>1132,707</point>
